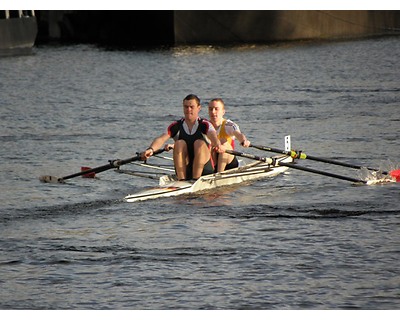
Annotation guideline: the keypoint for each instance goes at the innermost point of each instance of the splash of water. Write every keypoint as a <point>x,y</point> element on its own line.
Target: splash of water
<point>377,177</point>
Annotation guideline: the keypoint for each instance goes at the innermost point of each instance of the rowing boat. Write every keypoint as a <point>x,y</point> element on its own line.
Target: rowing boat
<point>169,186</point>
<point>260,168</point>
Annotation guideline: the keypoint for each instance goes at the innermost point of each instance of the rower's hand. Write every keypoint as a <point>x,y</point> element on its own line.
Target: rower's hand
<point>168,146</point>
<point>246,143</point>
<point>146,154</point>
<point>219,149</point>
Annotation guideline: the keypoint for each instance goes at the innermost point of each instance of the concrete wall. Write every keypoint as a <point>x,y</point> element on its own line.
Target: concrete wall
<point>224,27</point>
<point>110,28</point>
<point>17,33</point>
<point>153,28</point>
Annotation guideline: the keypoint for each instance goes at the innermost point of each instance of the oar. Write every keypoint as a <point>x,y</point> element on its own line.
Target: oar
<point>112,164</point>
<point>294,166</point>
<point>300,155</point>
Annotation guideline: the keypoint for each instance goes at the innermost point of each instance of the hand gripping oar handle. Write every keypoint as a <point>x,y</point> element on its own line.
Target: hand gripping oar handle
<point>112,164</point>
<point>276,162</point>
<point>301,155</point>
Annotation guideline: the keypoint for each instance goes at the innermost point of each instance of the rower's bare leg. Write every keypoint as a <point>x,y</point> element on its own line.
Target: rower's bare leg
<point>201,156</point>
<point>224,158</point>
<point>214,158</point>
<point>181,159</point>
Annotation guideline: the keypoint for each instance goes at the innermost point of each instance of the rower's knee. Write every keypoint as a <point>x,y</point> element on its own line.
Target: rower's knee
<point>201,146</point>
<point>201,150</point>
<point>180,146</point>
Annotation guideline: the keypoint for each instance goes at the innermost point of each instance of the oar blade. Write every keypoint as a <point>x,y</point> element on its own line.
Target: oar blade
<point>50,179</point>
<point>395,174</point>
<point>90,175</point>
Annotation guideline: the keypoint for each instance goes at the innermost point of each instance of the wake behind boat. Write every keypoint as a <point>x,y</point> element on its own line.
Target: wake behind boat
<point>169,186</point>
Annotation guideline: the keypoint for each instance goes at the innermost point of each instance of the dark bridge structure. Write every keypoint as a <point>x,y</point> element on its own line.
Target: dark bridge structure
<point>158,28</point>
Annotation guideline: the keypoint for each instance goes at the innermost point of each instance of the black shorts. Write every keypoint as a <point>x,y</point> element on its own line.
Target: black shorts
<point>208,169</point>
<point>232,165</point>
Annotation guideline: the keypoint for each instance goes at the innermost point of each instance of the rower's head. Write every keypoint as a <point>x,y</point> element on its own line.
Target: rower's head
<point>191,107</point>
<point>216,111</point>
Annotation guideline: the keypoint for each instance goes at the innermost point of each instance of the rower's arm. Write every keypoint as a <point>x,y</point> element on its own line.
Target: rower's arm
<point>241,138</point>
<point>155,145</point>
<point>215,143</point>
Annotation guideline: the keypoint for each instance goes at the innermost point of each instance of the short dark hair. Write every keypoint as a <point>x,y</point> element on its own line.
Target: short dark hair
<point>219,100</point>
<point>192,97</point>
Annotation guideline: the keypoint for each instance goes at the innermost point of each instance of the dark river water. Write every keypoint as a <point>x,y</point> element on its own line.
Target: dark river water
<point>297,241</point>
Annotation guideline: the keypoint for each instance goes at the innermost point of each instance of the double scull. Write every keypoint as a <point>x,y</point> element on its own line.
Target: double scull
<point>169,186</point>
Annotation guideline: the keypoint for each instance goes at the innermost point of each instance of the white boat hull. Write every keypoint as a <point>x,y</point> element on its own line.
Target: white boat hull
<point>169,187</point>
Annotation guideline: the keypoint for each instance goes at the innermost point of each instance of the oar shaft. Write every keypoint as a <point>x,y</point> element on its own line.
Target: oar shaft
<point>320,159</point>
<point>324,173</point>
<point>294,166</point>
<point>94,170</point>
<point>112,164</point>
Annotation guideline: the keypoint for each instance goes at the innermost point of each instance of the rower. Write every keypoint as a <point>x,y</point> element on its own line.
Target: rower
<point>194,137</point>
<point>227,131</point>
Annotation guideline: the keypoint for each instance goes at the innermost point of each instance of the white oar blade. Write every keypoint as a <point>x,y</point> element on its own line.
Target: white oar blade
<point>50,179</point>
